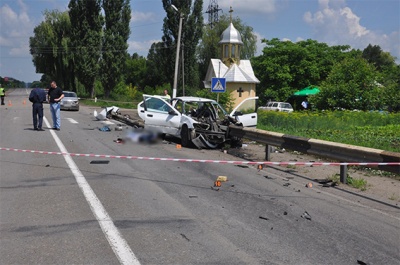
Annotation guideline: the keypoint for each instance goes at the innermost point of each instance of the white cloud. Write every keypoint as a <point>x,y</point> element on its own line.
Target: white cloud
<point>16,27</point>
<point>248,6</point>
<point>260,45</point>
<point>21,51</point>
<point>336,24</point>
<point>140,47</point>
<point>142,17</point>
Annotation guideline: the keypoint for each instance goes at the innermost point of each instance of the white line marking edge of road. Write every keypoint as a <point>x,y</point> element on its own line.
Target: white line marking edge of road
<point>118,244</point>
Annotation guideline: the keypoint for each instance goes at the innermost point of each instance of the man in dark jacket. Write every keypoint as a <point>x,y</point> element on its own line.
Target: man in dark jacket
<point>55,95</point>
<point>37,97</point>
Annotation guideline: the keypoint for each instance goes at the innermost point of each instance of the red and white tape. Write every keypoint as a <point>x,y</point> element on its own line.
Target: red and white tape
<point>207,160</point>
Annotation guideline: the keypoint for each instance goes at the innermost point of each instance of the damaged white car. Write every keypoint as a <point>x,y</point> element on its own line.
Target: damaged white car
<point>200,121</point>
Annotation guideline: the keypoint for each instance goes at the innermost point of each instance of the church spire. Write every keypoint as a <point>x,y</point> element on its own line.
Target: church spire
<point>230,44</point>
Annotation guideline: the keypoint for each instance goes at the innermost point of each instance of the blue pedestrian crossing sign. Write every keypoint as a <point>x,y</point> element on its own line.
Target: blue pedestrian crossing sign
<point>218,84</point>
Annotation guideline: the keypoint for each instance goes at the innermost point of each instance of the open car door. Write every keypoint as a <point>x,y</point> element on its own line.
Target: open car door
<point>246,112</point>
<point>160,116</point>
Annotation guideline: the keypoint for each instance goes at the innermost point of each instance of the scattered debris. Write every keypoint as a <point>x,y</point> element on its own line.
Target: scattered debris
<point>217,183</point>
<point>284,213</point>
<point>286,184</point>
<point>309,185</point>
<point>264,218</point>
<point>99,161</point>
<point>105,129</point>
<point>216,189</point>
<point>328,185</point>
<point>361,262</point>
<point>306,216</point>
<point>119,141</point>
<point>47,165</point>
<point>323,181</point>
<point>185,237</point>
<point>192,196</point>
<point>268,177</point>
<point>118,127</point>
<point>222,178</point>
<point>106,113</point>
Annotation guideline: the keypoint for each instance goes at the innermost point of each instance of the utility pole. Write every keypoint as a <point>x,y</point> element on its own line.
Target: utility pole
<point>178,45</point>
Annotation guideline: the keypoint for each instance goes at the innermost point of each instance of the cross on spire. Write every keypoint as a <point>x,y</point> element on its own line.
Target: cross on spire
<point>231,11</point>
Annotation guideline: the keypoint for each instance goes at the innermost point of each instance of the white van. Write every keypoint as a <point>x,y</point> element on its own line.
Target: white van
<point>278,106</point>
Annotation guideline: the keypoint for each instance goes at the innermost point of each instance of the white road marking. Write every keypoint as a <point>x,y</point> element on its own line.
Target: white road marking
<point>118,244</point>
<point>72,121</point>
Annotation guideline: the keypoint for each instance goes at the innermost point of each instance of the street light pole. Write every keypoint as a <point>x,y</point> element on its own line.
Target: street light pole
<point>178,45</point>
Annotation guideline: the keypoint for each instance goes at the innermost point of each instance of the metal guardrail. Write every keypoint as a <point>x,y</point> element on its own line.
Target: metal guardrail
<point>331,150</point>
<point>326,149</point>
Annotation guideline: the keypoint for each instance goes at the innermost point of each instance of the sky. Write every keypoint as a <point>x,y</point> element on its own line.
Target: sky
<point>336,22</point>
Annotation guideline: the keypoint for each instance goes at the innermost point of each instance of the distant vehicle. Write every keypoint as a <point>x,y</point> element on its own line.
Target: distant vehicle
<point>200,121</point>
<point>70,101</point>
<point>278,106</point>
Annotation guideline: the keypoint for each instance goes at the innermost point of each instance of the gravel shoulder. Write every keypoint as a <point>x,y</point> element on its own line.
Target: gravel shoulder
<point>381,189</point>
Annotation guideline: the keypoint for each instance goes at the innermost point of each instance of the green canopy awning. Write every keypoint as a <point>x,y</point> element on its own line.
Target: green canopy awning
<point>310,90</point>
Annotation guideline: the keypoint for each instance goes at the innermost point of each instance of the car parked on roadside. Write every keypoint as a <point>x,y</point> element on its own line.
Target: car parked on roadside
<point>278,106</point>
<point>201,121</point>
<point>70,101</point>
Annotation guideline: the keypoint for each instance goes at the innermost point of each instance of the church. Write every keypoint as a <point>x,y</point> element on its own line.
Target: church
<point>239,75</point>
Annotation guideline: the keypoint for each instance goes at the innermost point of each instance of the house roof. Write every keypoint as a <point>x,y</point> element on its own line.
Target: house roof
<point>237,73</point>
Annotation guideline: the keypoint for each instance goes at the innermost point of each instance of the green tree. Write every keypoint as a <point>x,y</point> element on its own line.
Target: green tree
<point>209,48</point>
<point>136,69</point>
<point>157,65</point>
<point>86,37</point>
<point>50,48</point>
<point>192,27</point>
<point>380,59</point>
<point>285,66</point>
<point>352,84</point>
<point>115,42</point>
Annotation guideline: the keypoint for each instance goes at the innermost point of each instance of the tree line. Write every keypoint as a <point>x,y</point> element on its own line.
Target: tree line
<point>85,50</point>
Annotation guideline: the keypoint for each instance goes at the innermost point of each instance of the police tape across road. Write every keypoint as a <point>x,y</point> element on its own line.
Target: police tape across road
<point>235,162</point>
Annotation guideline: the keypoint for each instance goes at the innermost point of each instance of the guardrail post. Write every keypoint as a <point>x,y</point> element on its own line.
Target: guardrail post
<point>267,152</point>
<point>343,174</point>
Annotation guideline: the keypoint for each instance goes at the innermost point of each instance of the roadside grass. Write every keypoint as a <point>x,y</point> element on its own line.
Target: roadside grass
<point>369,129</point>
<point>109,103</point>
<point>357,183</point>
<point>394,197</point>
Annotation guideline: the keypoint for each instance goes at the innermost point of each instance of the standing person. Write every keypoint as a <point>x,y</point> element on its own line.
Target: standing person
<point>166,94</point>
<point>304,104</point>
<point>55,95</point>
<point>2,94</point>
<point>37,97</point>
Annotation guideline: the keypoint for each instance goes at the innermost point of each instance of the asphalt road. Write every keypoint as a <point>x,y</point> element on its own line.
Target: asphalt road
<point>63,209</point>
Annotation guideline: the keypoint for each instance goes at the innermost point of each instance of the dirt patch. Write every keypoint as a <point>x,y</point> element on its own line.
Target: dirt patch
<point>380,186</point>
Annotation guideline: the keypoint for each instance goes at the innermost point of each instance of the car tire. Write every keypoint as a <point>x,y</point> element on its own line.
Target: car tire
<point>185,136</point>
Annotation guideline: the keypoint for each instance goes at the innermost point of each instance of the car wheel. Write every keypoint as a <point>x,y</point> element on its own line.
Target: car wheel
<point>185,136</point>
